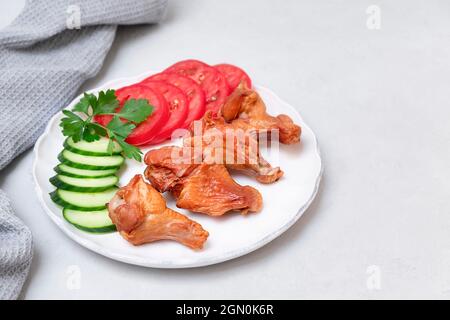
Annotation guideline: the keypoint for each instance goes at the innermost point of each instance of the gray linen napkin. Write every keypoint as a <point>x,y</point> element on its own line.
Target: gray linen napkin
<point>45,56</point>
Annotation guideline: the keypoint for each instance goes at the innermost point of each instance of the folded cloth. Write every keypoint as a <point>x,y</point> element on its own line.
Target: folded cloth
<point>45,56</point>
<point>15,251</point>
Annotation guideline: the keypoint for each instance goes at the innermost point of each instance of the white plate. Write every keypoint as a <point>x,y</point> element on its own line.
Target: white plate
<point>232,235</point>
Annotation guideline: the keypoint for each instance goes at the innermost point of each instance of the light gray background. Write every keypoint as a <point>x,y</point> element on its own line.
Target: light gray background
<point>378,101</point>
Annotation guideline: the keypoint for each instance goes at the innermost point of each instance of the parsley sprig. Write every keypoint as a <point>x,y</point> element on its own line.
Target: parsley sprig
<point>133,112</point>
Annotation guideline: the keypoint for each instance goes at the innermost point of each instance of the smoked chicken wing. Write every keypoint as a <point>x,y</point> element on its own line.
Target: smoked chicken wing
<point>245,109</point>
<point>224,143</point>
<point>140,215</point>
<point>203,188</point>
<point>210,189</point>
<point>168,165</point>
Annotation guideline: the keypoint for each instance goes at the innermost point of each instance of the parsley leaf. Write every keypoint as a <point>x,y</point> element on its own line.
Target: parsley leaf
<point>93,131</point>
<point>124,121</point>
<point>135,110</point>
<point>83,105</point>
<point>72,125</point>
<point>99,129</point>
<point>120,128</point>
<point>110,147</point>
<point>129,150</point>
<point>107,102</point>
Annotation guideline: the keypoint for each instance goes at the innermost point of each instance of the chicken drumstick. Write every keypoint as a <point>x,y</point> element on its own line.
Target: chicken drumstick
<point>140,215</point>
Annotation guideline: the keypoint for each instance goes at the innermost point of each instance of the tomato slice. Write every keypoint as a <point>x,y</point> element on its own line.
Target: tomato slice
<point>178,108</point>
<point>234,75</point>
<point>194,93</point>
<point>212,81</point>
<point>146,130</point>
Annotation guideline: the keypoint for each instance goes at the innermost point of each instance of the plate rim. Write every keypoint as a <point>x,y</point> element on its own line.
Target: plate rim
<point>140,261</point>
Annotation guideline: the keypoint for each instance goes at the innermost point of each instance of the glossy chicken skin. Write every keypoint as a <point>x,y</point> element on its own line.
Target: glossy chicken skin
<point>245,109</point>
<point>210,189</point>
<point>140,215</point>
<point>168,165</point>
<point>224,143</point>
<point>203,188</point>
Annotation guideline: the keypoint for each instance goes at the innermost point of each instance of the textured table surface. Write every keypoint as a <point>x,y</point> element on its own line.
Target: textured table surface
<point>377,100</point>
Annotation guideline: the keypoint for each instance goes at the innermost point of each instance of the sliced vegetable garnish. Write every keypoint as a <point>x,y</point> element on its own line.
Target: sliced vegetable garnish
<point>83,173</point>
<point>95,148</point>
<point>91,221</point>
<point>192,90</point>
<point>130,113</point>
<point>147,129</point>
<point>84,184</point>
<point>212,81</point>
<point>83,201</point>
<point>234,75</point>
<point>81,161</point>
<point>178,108</point>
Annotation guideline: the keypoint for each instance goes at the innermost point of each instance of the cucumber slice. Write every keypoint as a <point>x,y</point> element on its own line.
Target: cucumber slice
<point>83,173</point>
<point>95,148</point>
<point>83,201</point>
<point>91,221</point>
<point>90,162</point>
<point>83,184</point>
